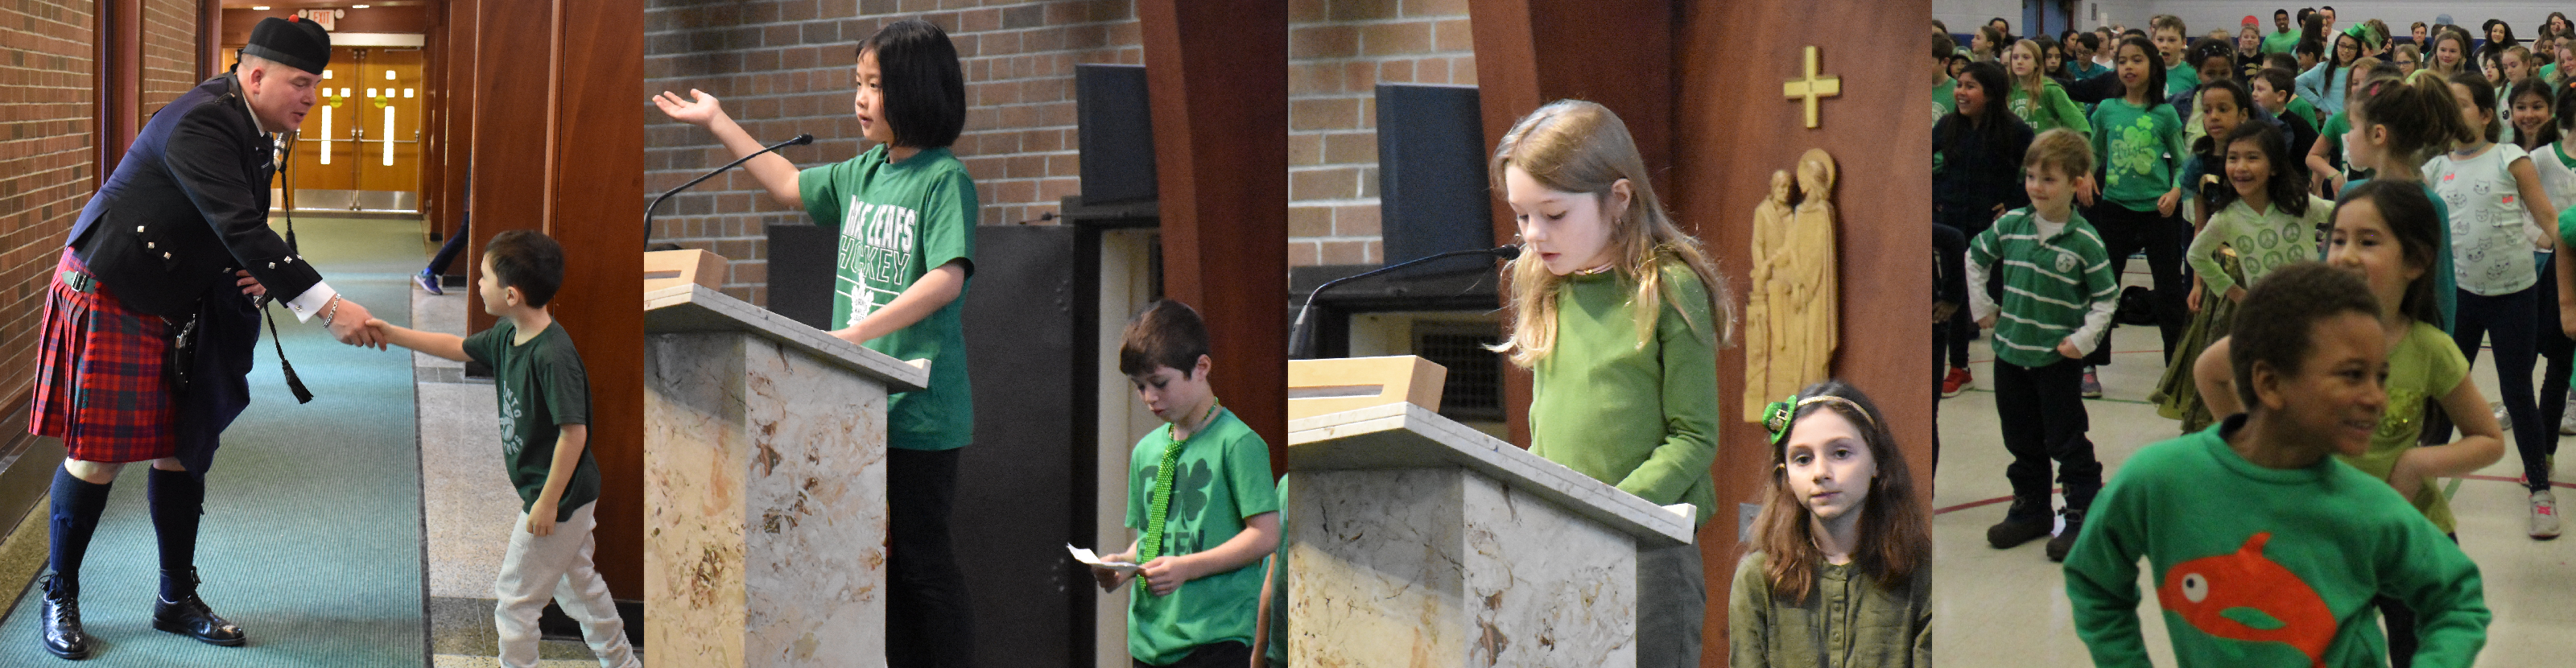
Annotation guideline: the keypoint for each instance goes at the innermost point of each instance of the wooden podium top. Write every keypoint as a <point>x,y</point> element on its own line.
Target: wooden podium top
<point>695,308</point>
<point>1403,436</point>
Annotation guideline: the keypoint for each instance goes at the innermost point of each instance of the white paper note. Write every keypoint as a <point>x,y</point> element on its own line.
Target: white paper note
<point>1084,555</point>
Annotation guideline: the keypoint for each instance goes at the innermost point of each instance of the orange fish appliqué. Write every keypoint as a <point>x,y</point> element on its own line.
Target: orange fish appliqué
<point>2243,596</point>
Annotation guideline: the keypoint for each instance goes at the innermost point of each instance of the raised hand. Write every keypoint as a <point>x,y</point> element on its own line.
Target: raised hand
<point>701,111</point>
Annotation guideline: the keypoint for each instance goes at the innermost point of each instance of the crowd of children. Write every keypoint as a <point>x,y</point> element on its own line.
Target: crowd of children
<point>2428,171</point>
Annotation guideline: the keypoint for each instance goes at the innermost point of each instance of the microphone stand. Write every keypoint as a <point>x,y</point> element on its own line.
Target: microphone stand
<point>800,140</point>
<point>1300,338</point>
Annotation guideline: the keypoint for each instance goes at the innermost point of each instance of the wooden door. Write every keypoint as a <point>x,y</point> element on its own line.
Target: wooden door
<point>325,156</point>
<point>388,118</point>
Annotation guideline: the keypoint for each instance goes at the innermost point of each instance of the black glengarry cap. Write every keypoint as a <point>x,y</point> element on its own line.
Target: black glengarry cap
<point>291,41</point>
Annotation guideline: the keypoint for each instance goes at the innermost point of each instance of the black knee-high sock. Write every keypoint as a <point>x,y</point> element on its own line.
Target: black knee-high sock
<point>178,501</point>
<point>76,507</point>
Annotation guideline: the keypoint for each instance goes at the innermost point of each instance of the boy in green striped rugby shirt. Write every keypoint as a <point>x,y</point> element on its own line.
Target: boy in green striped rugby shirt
<point>2056,296</point>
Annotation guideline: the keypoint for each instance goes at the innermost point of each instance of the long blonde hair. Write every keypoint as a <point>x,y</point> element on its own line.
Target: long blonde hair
<point>1576,146</point>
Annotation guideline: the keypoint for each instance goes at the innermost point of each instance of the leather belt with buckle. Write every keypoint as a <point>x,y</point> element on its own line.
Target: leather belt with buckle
<point>80,281</point>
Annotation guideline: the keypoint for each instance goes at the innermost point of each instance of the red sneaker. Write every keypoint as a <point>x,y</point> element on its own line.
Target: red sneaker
<point>1955,383</point>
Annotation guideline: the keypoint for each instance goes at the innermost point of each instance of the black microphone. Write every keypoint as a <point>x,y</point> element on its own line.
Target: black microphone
<point>1299,336</point>
<point>800,140</point>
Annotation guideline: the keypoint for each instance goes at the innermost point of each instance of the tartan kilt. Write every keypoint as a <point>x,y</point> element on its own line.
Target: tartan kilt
<point>100,385</point>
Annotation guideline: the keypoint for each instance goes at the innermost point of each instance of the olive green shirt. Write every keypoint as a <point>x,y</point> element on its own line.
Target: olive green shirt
<point>1847,621</point>
<point>1640,417</point>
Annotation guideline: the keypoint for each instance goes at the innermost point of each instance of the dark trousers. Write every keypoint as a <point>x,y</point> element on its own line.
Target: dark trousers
<point>927,620</point>
<point>2126,232</point>
<point>2400,622</point>
<point>2555,347</point>
<point>2510,320</point>
<point>447,251</point>
<point>2043,419</point>
<point>1224,654</point>
<point>1955,333</point>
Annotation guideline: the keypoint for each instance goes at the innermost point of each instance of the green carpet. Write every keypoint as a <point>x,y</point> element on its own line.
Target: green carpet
<point>312,535</point>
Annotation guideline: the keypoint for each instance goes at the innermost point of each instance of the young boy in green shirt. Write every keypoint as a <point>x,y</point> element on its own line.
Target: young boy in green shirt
<point>2266,551</point>
<point>545,424</point>
<point>2171,40</point>
<point>1201,492</point>
<point>2057,299</point>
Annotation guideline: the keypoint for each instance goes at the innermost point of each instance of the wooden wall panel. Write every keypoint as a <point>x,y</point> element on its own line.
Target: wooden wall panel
<point>558,146</point>
<point>454,95</point>
<point>1733,128</point>
<point>1217,73</point>
<point>597,212</point>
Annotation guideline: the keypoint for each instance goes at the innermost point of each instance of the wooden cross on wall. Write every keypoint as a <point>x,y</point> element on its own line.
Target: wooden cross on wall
<point>1810,88</point>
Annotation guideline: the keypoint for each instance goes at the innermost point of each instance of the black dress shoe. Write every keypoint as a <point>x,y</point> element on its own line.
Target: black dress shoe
<point>190,617</point>
<point>63,634</point>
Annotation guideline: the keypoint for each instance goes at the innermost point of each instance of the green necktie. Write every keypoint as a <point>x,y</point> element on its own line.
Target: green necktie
<point>1159,504</point>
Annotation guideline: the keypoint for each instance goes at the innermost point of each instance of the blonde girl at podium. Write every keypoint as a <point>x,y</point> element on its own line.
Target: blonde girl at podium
<point>1619,316</point>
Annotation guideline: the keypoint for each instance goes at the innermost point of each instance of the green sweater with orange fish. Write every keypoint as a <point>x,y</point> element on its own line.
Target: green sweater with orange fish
<point>2257,566</point>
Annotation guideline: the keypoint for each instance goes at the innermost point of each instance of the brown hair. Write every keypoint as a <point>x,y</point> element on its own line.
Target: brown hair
<point>1576,146</point>
<point>2167,22</point>
<point>2060,148</point>
<point>1166,334</point>
<point>2421,116</point>
<point>1895,531</point>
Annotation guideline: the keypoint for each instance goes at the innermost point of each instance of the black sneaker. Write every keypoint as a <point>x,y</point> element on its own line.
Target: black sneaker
<point>2064,541</point>
<point>2027,521</point>
<point>63,635</point>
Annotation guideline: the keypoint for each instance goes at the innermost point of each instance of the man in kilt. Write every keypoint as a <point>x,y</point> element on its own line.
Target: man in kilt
<point>149,319</point>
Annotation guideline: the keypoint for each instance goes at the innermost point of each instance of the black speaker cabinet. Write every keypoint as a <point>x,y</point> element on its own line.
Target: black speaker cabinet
<point>1116,131</point>
<point>800,273</point>
<point>1432,195</point>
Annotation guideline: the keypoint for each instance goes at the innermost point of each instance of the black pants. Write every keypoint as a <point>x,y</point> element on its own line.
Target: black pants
<point>1226,654</point>
<point>2560,352</point>
<point>2510,320</point>
<point>2043,420</point>
<point>447,251</point>
<point>927,620</point>
<point>1960,329</point>
<point>2126,232</point>
<point>2400,622</point>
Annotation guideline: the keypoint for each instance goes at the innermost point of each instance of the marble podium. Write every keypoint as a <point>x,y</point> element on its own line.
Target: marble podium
<point>1418,541</point>
<point>764,474</point>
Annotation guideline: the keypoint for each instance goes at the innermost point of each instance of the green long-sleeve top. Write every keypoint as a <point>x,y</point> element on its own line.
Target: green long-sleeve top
<point>2265,567</point>
<point>1848,620</point>
<point>2140,149</point>
<point>2263,240</point>
<point>1640,417</point>
<point>2051,110</point>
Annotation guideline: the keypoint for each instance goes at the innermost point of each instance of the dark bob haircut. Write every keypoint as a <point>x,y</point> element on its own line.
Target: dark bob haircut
<point>925,89</point>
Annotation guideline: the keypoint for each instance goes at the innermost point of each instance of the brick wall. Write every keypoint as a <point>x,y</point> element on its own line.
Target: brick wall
<point>45,168</point>
<point>1338,51</point>
<point>783,67</point>
<point>169,52</point>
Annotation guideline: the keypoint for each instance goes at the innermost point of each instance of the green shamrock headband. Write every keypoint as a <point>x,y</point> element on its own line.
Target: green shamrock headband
<point>1777,416</point>
<point>2369,37</point>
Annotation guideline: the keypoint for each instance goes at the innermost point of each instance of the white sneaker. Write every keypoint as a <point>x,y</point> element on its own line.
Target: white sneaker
<point>2544,515</point>
<point>2567,423</point>
<point>2503,419</point>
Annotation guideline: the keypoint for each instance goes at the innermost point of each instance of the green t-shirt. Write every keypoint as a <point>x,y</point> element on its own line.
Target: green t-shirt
<point>542,387</point>
<point>1221,479</point>
<point>1642,418</point>
<point>2280,42</point>
<point>2422,368</point>
<point>2181,78</point>
<point>2141,150</point>
<point>897,222</point>
<point>2256,566</point>
<point>1945,98</point>
<point>2299,107</point>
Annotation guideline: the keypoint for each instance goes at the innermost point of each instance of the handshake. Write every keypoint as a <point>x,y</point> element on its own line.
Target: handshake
<point>348,322</point>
